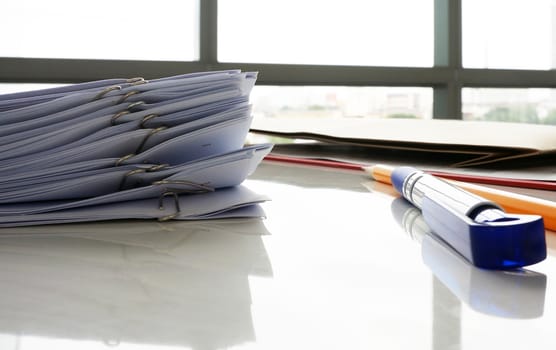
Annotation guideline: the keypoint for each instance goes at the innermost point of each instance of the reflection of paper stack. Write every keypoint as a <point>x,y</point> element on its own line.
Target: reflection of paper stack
<point>176,283</point>
<point>516,293</point>
<point>103,143</point>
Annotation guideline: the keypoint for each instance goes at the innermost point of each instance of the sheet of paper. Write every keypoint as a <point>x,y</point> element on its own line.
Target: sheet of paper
<point>489,141</point>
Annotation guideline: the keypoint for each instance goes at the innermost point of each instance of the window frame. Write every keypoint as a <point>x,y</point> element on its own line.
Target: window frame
<point>447,77</point>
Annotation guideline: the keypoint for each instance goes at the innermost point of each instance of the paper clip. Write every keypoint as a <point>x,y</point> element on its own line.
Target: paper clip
<point>161,205</point>
<point>107,90</point>
<point>135,104</point>
<point>153,131</point>
<point>129,173</point>
<point>156,167</point>
<point>147,118</point>
<point>116,116</point>
<point>126,111</point>
<point>201,188</point>
<point>124,97</point>
<point>124,158</point>
<point>137,81</point>
<point>174,193</point>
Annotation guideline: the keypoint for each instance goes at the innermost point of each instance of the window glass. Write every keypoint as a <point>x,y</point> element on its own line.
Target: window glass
<point>320,101</point>
<point>509,34</point>
<point>341,102</point>
<point>8,88</point>
<point>348,32</point>
<point>529,105</point>
<point>100,29</point>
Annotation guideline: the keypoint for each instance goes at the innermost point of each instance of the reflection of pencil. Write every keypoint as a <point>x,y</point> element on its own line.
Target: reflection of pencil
<point>511,202</point>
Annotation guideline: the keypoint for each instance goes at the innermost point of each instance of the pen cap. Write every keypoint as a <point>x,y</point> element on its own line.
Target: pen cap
<point>399,175</point>
<point>517,241</point>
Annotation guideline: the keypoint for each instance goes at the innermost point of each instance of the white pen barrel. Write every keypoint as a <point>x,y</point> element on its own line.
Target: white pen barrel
<point>418,185</point>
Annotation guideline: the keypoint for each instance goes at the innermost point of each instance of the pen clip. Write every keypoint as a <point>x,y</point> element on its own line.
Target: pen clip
<point>515,242</point>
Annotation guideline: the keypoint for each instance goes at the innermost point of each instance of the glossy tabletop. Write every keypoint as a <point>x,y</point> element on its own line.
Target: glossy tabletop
<point>339,263</point>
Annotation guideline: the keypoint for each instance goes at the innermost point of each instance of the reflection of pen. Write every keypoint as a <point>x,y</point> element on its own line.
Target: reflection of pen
<point>487,291</point>
<point>475,227</point>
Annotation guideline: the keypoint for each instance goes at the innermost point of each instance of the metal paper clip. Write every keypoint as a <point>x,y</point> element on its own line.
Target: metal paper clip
<point>153,131</point>
<point>129,173</point>
<point>161,205</point>
<point>157,167</point>
<point>137,81</point>
<point>124,158</point>
<point>116,116</point>
<point>147,118</point>
<point>107,90</point>
<point>124,97</point>
<point>126,111</point>
<point>200,188</point>
<point>135,104</point>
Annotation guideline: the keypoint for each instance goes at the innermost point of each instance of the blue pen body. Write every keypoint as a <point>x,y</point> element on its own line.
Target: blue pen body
<point>475,227</point>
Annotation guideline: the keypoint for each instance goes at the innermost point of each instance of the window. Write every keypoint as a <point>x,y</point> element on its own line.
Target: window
<point>14,87</point>
<point>341,102</point>
<point>101,29</point>
<point>429,58</point>
<point>348,32</point>
<point>531,105</point>
<point>512,34</point>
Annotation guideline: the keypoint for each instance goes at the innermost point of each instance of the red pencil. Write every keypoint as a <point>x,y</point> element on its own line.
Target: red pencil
<point>489,180</point>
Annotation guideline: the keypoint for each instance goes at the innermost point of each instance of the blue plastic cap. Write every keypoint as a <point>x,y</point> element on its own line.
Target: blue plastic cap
<point>517,242</point>
<point>399,175</point>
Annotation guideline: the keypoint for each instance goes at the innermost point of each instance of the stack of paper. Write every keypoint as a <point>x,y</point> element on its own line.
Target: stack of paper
<point>170,148</point>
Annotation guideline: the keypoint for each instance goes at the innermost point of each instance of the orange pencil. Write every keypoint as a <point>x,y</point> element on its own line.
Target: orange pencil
<point>511,202</point>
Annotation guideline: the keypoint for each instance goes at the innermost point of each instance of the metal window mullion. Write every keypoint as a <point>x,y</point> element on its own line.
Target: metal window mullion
<point>448,54</point>
<point>208,32</point>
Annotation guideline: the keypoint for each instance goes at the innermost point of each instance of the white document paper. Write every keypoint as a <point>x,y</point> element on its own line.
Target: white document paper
<point>97,151</point>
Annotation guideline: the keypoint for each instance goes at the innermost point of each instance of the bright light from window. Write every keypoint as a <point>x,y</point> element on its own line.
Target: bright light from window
<point>101,29</point>
<point>347,32</point>
<point>511,34</point>
<point>9,88</point>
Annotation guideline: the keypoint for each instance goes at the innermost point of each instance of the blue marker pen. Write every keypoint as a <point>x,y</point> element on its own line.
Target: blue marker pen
<point>492,292</point>
<point>475,227</point>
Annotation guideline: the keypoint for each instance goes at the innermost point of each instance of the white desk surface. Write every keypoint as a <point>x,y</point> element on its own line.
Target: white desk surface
<point>329,268</point>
